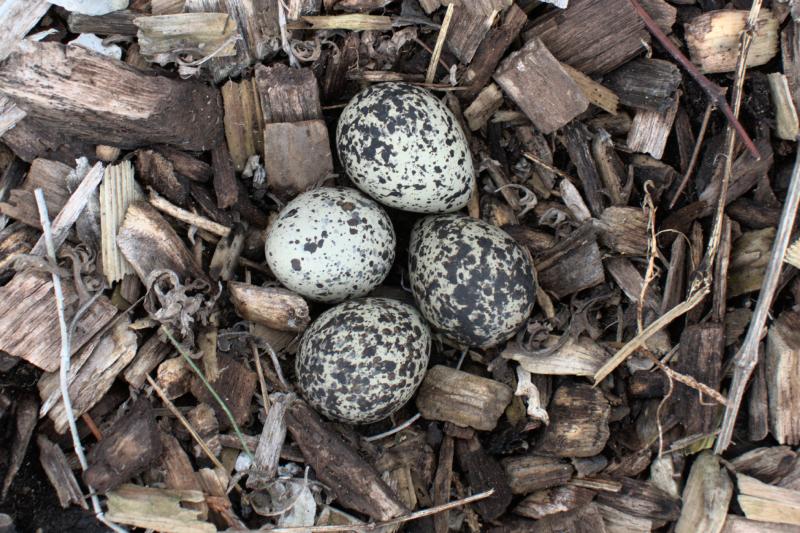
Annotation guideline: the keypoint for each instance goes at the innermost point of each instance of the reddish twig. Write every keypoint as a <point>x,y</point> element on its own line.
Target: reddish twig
<point>715,93</point>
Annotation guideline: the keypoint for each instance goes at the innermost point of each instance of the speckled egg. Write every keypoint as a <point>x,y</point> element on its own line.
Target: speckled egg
<point>360,361</point>
<point>329,244</point>
<point>470,279</point>
<point>402,146</point>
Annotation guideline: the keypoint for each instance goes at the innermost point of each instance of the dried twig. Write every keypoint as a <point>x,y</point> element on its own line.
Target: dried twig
<point>165,206</point>
<point>437,49</point>
<point>712,90</point>
<point>378,525</point>
<point>395,429</point>
<point>66,354</point>
<point>747,357</point>
<point>652,252</point>
<point>695,154</point>
<point>689,381</point>
<point>549,167</point>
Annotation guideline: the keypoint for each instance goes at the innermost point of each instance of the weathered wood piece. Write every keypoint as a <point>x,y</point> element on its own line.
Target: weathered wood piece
<point>92,373</point>
<point>547,502</point>
<point>115,23</point>
<point>186,216</point>
<point>186,165</point>
<point>236,385</point>
<point>51,177</point>
<point>645,83</point>
<point>597,94</point>
<point>26,415</point>
<point>706,496</point>
<point>57,469</point>
<point>624,230</point>
<point>273,307</point>
<point>273,434</point>
<point>713,39</point>
<point>127,449</point>
<point>782,367</point>
<point>749,261</point>
<point>29,320</point>
<point>462,398</point>
<point>577,357</point>
<point>555,267</point>
<point>102,100</point>
<point>492,49</point>
<point>470,23</point>
<point>578,422</point>
<point>787,126</point>
<point>17,18</point>
<point>616,521</point>
<point>156,171</point>
<point>157,509</point>
<point>442,482</point>
<point>484,472</point>
<point>287,94</point>
<point>576,137</point>
<point>206,33</point>
<point>297,156</point>
<point>767,503</point>
<point>204,421</point>
<point>10,115</point>
<point>642,499</point>
<point>594,36</point>
<point>149,243</point>
<point>174,377</point>
<point>768,464</point>
<point>227,254</point>
<point>148,356</point>
<point>540,86</point>
<point>489,100</point>
<point>529,473</point>
<point>650,130</point>
<point>117,191</point>
<point>31,138</point>
<point>739,524</point>
<point>354,483</point>
<point>244,124</point>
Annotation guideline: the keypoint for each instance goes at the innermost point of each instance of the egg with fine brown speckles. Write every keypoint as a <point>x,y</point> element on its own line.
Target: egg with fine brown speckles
<point>330,244</point>
<point>470,279</point>
<point>402,146</point>
<point>362,360</point>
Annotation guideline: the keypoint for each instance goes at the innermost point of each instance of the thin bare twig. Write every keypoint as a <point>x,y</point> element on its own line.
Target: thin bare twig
<point>395,429</point>
<point>747,357</point>
<point>652,252</point>
<point>701,135</point>
<point>689,381</point>
<point>378,525</point>
<point>548,166</point>
<point>437,49</point>
<point>712,90</point>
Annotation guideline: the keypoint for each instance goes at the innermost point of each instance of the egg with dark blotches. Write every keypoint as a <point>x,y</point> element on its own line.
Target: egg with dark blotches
<point>330,244</point>
<point>402,146</point>
<point>362,360</point>
<point>470,279</point>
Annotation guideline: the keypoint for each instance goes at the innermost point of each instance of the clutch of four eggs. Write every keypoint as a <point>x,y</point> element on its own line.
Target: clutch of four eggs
<point>363,359</point>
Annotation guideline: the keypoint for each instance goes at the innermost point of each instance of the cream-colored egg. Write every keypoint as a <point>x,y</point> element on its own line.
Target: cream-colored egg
<point>402,146</point>
<point>330,244</point>
<point>470,279</point>
<point>362,360</point>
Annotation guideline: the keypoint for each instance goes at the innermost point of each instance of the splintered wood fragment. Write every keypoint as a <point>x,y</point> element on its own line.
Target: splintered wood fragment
<point>749,260</point>
<point>10,114</point>
<point>556,266</point>
<point>739,524</point>
<point>597,94</point>
<point>31,138</point>
<point>156,171</point>
<point>469,25</point>
<point>204,421</point>
<point>594,36</point>
<point>166,7</point>
<point>51,177</point>
<point>186,165</point>
<point>73,208</point>
<point>610,167</point>
<point>483,107</point>
<point>529,473</point>
<point>226,186</point>
<point>274,307</point>
<point>243,121</point>
<point>642,499</point>
<point>492,49</point>
<point>646,83</point>
<point>624,230</point>
<point>335,79</point>
<point>92,373</point>
<point>131,444</point>
<point>116,23</point>
<point>576,138</point>
<point>561,499</point>
<point>355,22</point>
<point>768,464</point>
<point>706,496</point>
<point>28,319</point>
<point>355,483</point>
<point>433,64</point>
<point>16,239</point>
<point>117,192</point>
<point>174,377</point>
<point>713,39</point>
<point>287,94</point>
<point>792,253</point>
<point>147,358</point>
<point>205,33</point>
<point>149,243</point>
<point>787,126</point>
<point>767,503</point>
<point>483,472</point>
<point>273,434</point>
<point>782,366</point>
<point>297,156</point>
<point>227,254</point>
<point>616,521</point>
<point>157,509</point>
<point>187,216</point>
<point>236,385</point>
<point>17,18</point>
<point>101,100</point>
<point>442,482</point>
<point>578,422</point>
<point>650,129</point>
<point>662,13</point>
<point>57,469</point>
<point>462,398</point>
<point>540,86</point>
<point>577,357</point>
